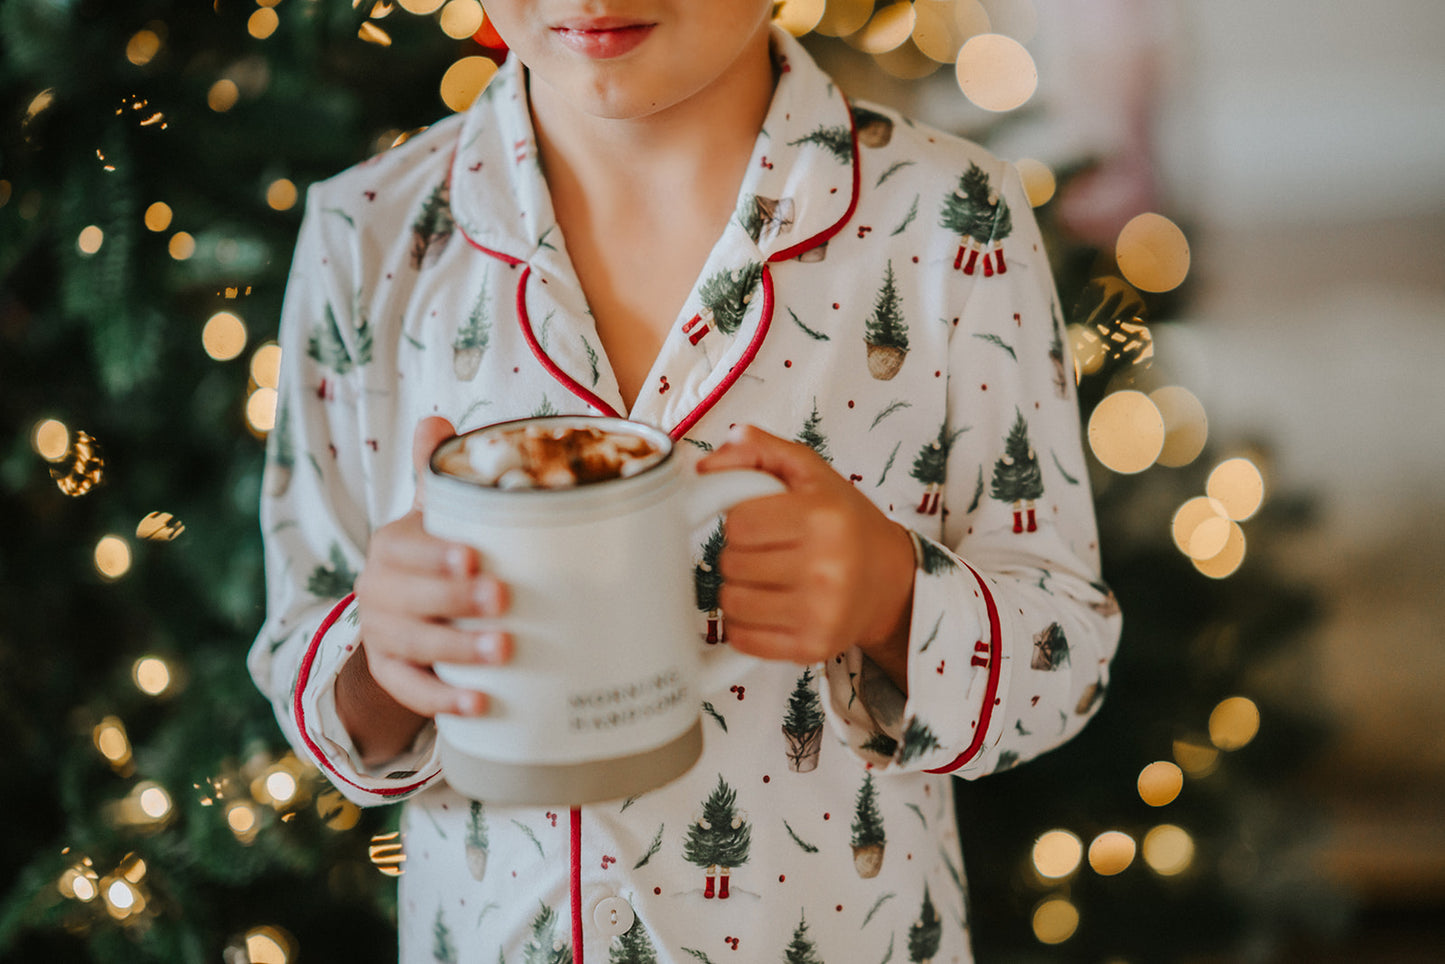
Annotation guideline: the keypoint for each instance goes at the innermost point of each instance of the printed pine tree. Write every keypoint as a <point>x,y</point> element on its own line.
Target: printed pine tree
<point>803,725</point>
<point>930,467</point>
<point>868,838</point>
<point>707,583</point>
<point>433,226</point>
<point>472,339</point>
<point>812,434</point>
<point>1051,648</point>
<point>980,216</point>
<point>544,946</point>
<point>935,560</point>
<point>280,453</point>
<point>632,946</point>
<point>331,582</point>
<point>926,933</point>
<point>443,951</point>
<point>886,333</point>
<point>837,141</point>
<point>725,297</point>
<point>477,842</point>
<point>326,347</point>
<point>1017,477</point>
<point>918,739</point>
<point>801,949</point>
<point>719,840</point>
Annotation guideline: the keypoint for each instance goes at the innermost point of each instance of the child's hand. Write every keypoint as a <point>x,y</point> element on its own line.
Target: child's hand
<point>815,570</point>
<point>411,588</point>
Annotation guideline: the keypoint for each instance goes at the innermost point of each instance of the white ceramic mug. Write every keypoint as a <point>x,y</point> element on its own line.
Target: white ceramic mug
<point>600,699</point>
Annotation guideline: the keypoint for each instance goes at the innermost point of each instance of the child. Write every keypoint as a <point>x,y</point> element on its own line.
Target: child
<point>667,211</point>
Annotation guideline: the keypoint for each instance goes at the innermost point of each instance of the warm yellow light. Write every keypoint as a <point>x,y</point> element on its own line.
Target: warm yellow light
<point>934,31</point>
<point>112,556</point>
<point>1160,783</point>
<point>1196,759</point>
<point>182,246</point>
<point>970,18</point>
<point>1055,921</point>
<point>421,7</point>
<point>158,216</point>
<point>1168,850</point>
<point>996,73</point>
<point>281,194</point>
<point>336,811</point>
<point>224,336</point>
<point>261,409</point>
<point>1209,538</point>
<point>1186,426</point>
<point>142,47</point>
<point>281,786</point>
<point>1038,179</point>
<point>1057,853</point>
<point>223,95</point>
<point>798,17</point>
<point>132,868</point>
<point>111,740</point>
<point>465,79</point>
<point>1228,559</point>
<point>373,34</point>
<point>905,62</point>
<point>154,801</point>
<point>1087,349</point>
<point>39,103</point>
<point>387,853</point>
<point>1126,432</point>
<point>90,239</point>
<point>50,439</point>
<point>1190,516</point>
<point>1153,253</point>
<point>267,945</point>
<point>121,896</point>
<point>461,18</point>
<point>886,29</point>
<point>151,674</point>
<point>159,527</point>
<point>79,882</point>
<point>1238,486</point>
<point>266,365</point>
<point>1111,852</point>
<point>844,17</point>
<point>1233,723</point>
<point>241,818</point>
<point>262,23</point>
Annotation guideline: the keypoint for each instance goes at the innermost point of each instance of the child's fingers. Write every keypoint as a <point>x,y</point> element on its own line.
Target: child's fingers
<point>425,643</point>
<point>420,691</point>
<point>404,544</point>
<point>430,432</point>
<point>424,596</point>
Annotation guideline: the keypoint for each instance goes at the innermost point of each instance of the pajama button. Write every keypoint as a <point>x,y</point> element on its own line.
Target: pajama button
<point>613,916</point>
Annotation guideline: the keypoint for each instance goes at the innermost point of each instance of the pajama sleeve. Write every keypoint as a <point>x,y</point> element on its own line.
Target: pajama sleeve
<point>1012,628</point>
<point>315,516</point>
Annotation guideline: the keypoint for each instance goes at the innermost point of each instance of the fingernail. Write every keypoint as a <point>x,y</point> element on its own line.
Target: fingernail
<point>472,704</point>
<point>487,596</point>
<point>460,560</point>
<point>490,647</point>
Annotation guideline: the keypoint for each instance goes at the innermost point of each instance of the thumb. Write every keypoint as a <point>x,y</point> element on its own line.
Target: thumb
<point>430,432</point>
<point>749,447</point>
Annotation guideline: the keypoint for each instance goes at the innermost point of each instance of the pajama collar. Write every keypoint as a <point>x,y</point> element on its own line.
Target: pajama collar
<point>801,187</point>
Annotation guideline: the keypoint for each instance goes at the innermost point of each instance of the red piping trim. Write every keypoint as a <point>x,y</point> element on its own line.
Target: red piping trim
<point>302,678</point>
<point>827,233</point>
<point>567,380</point>
<point>507,258</point>
<point>995,667</point>
<point>740,366</point>
<point>575,886</point>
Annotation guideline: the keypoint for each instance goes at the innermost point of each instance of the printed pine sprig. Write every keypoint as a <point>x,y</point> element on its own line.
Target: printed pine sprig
<point>711,711</point>
<point>874,909</point>
<point>652,849</point>
<point>993,339</point>
<point>807,847</point>
<point>530,836</point>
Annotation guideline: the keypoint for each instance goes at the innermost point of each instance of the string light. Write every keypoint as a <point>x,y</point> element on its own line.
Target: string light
<point>281,194</point>
<point>337,812</point>
<point>182,246</point>
<point>222,95</point>
<point>1126,432</point>
<point>266,365</point>
<point>844,17</point>
<point>1186,426</point>
<point>465,79</point>
<point>243,819</point>
<point>268,945</point>
<point>154,801</point>
<point>1160,783</point>
<point>996,72</point>
<point>1233,723</point>
<point>1111,853</point>
<point>387,854</point>
<point>1168,850</point>
<point>1057,854</point>
<point>112,557</point>
<point>262,23</point>
<point>1229,558</point>
<point>1238,486</point>
<point>158,216</point>
<point>461,18</point>
<point>50,439</point>
<point>142,47</point>
<point>111,740</point>
<point>1038,180</point>
<point>80,882</point>
<point>1055,920</point>
<point>421,7</point>
<point>261,409</point>
<point>80,467</point>
<point>152,675</point>
<point>889,27</point>
<point>798,17</point>
<point>1152,253</point>
<point>373,34</point>
<point>224,336</point>
<point>90,239</point>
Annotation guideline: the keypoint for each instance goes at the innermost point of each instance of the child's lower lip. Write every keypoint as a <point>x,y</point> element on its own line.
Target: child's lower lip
<point>606,43</point>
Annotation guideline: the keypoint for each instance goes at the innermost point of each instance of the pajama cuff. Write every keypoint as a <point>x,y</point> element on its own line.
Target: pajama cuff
<point>325,738</point>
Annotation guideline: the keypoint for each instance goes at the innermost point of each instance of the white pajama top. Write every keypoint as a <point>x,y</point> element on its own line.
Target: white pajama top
<point>881,295</point>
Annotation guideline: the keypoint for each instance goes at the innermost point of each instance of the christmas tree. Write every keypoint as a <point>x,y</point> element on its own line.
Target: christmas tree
<point>707,582</point>
<point>720,839</point>
<point>1017,478</point>
<point>801,949</point>
<point>546,945</point>
<point>926,933</point>
<point>727,294</point>
<point>886,332</point>
<point>632,946</point>
<point>812,434</point>
<point>868,838</point>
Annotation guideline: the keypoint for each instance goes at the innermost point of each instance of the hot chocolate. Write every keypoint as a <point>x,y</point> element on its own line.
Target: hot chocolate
<point>539,455</point>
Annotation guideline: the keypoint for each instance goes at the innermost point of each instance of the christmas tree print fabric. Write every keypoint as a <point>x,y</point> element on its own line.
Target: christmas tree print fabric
<point>859,302</point>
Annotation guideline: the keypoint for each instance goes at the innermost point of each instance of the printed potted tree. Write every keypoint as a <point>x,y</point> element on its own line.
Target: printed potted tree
<point>803,725</point>
<point>926,933</point>
<point>472,339</point>
<point>1051,648</point>
<point>868,837</point>
<point>477,840</point>
<point>433,226</point>
<point>886,333</point>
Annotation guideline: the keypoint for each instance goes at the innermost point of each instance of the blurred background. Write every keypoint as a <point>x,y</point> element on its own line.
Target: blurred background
<point>1255,361</point>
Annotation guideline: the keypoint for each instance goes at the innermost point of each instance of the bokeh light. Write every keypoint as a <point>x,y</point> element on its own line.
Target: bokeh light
<point>1152,253</point>
<point>261,409</point>
<point>1196,758</point>
<point>1126,432</point>
<point>1186,426</point>
<point>154,801</point>
<point>90,239</point>
<point>222,95</point>
<point>159,527</point>
<point>1055,920</point>
<point>1111,853</point>
<point>844,17</point>
<point>1160,783</point>
<point>50,439</point>
<point>996,72</point>
<point>461,18</point>
<point>269,945</point>
<point>337,812</point>
<point>182,246</point>
<point>262,23</point>
<point>266,365</point>
<point>1228,559</point>
<point>152,675</point>
<point>281,194</point>
<point>387,853</point>
<point>1238,486</point>
<point>465,79</point>
<point>112,557</point>
<point>888,28</point>
<point>1168,850</point>
<point>1190,516</point>
<point>244,820</point>
<point>798,17</point>
<point>935,32</point>
<point>1038,180</point>
<point>158,216</point>
<point>1057,853</point>
<point>421,7</point>
<point>142,47</point>
<point>111,740</point>
<point>373,34</point>
<point>224,336</point>
<point>1233,723</point>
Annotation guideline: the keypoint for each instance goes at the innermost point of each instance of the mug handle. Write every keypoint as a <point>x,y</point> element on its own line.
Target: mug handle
<point>717,492</point>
